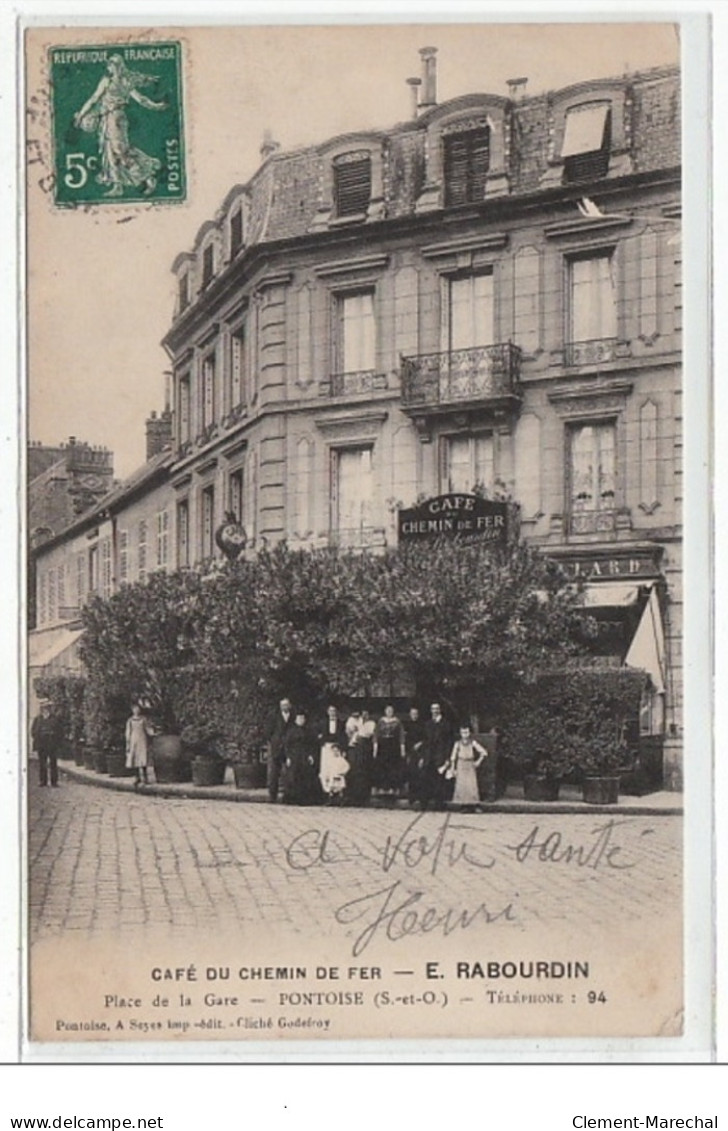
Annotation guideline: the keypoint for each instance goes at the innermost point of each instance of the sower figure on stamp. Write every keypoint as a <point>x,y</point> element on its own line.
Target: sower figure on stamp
<point>430,784</point>
<point>45,736</point>
<point>279,728</point>
<point>105,113</point>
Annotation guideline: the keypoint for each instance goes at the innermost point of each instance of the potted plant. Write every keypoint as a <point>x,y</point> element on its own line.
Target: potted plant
<point>534,740</point>
<point>604,705</point>
<point>603,759</point>
<point>208,761</point>
<point>249,767</point>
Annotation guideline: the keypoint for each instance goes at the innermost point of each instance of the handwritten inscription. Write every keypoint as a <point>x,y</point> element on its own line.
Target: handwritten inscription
<point>397,911</point>
<point>398,914</point>
<point>553,848</point>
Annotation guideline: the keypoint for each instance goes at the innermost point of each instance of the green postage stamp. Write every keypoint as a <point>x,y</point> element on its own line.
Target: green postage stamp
<point>117,123</point>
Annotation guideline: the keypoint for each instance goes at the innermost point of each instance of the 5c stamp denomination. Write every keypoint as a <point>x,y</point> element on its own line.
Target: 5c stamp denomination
<point>117,123</point>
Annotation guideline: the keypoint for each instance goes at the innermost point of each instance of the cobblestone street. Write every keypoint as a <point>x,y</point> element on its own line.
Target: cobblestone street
<point>104,861</point>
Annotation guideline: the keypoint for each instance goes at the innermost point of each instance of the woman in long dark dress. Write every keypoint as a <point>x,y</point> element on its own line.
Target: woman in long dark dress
<point>299,778</point>
<point>389,752</point>
<point>359,756</point>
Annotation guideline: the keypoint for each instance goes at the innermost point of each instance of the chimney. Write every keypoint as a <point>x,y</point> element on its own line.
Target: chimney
<point>414,85</point>
<point>516,87</point>
<point>159,433</point>
<point>269,145</point>
<point>429,78</point>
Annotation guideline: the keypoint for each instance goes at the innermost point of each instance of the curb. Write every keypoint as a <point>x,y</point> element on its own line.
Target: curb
<point>184,792</point>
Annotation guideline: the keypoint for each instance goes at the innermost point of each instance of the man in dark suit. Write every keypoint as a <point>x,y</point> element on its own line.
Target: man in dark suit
<point>45,737</point>
<point>279,728</point>
<point>435,751</point>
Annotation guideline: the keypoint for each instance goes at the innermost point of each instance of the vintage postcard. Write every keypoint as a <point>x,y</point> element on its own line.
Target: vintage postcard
<point>355,688</point>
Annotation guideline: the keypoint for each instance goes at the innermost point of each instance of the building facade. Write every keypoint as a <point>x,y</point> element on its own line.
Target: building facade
<point>487,294</point>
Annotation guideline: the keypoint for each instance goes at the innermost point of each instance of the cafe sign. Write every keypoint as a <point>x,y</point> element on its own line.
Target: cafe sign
<point>454,518</point>
<point>635,563</point>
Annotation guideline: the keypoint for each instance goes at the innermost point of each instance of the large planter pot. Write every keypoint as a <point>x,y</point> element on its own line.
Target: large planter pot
<point>116,766</point>
<point>170,762</point>
<point>249,775</point>
<point>208,770</point>
<point>100,764</point>
<point>602,790</point>
<point>536,787</point>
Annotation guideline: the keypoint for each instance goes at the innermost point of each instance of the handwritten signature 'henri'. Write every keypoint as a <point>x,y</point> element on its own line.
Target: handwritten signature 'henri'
<point>397,914</point>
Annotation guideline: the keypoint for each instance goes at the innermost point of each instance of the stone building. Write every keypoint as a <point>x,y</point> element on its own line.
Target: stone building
<point>488,293</point>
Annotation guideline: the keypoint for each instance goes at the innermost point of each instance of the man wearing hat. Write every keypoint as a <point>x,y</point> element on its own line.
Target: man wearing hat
<point>45,738</point>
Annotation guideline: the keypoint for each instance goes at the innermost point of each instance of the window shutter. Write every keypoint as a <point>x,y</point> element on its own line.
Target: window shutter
<point>208,264</point>
<point>236,231</point>
<point>467,158</point>
<point>352,186</point>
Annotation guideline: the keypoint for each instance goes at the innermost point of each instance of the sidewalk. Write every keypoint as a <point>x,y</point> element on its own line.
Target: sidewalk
<point>652,804</point>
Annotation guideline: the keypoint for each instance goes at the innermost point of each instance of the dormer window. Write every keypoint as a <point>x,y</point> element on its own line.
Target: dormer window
<point>587,141</point>
<point>467,160</point>
<point>208,264</point>
<point>352,184</point>
<point>236,232</point>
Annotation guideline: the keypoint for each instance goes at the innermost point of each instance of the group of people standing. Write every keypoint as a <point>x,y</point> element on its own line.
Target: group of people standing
<point>342,760</point>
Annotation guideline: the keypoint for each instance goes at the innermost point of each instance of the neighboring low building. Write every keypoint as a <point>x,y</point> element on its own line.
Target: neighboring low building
<point>122,538</point>
<point>489,293</point>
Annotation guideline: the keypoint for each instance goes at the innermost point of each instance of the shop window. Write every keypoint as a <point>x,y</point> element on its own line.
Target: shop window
<point>351,494</point>
<point>592,298</point>
<point>352,184</point>
<point>587,141</point>
<point>466,159</point>
<point>592,477</point>
<point>467,462</point>
<point>356,333</point>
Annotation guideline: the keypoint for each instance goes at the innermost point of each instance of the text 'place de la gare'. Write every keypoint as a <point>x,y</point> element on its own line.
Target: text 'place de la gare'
<point>486,293</point>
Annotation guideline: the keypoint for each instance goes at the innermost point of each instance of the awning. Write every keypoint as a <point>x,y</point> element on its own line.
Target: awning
<point>647,650</point>
<point>46,648</point>
<point>584,131</point>
<point>611,595</point>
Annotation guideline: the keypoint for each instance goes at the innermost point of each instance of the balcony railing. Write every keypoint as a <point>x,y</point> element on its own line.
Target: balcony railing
<point>590,353</point>
<point>353,384</point>
<point>481,373</point>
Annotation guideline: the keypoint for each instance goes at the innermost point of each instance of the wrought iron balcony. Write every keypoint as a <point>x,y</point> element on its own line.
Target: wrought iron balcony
<point>590,353</point>
<point>480,374</point>
<point>353,384</point>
